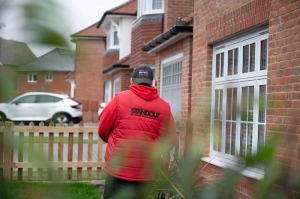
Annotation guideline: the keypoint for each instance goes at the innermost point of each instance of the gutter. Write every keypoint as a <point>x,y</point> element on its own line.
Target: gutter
<point>113,67</point>
<point>166,36</point>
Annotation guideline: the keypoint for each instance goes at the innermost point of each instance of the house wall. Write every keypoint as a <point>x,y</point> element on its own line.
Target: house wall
<point>143,32</point>
<point>125,36</point>
<point>89,83</point>
<point>216,20</point>
<point>175,9</point>
<point>109,58</point>
<point>125,79</point>
<point>57,85</point>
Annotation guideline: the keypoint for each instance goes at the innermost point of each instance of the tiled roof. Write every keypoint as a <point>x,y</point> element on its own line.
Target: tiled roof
<point>91,31</point>
<point>15,53</point>
<point>56,60</point>
<point>129,7</point>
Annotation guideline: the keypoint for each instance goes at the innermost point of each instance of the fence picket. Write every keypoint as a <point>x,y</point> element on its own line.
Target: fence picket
<point>99,158</point>
<point>50,151</point>
<point>20,153</point>
<point>90,152</point>
<point>80,152</point>
<point>30,151</point>
<point>70,151</point>
<point>41,149</point>
<point>60,151</point>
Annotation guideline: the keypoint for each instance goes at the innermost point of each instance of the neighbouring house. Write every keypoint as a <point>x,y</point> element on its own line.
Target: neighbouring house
<point>117,23</point>
<point>46,73</point>
<point>90,47</point>
<point>229,55</point>
<point>13,54</point>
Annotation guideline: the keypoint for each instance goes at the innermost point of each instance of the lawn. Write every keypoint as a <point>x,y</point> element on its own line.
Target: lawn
<point>38,190</point>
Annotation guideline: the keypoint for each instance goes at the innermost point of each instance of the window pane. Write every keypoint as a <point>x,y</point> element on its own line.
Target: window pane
<point>27,99</point>
<point>217,129</point>
<point>157,4</point>
<point>219,65</point>
<point>262,103</point>
<point>231,104</point>
<point>116,39</point>
<point>263,55</point>
<point>230,62</point>
<point>252,57</point>
<point>45,99</point>
<point>236,61</point>
<point>246,59</point>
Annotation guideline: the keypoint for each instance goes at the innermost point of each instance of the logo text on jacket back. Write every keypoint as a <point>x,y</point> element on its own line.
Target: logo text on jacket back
<point>144,113</point>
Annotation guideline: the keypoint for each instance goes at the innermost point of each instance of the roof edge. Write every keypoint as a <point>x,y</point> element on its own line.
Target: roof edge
<point>166,36</point>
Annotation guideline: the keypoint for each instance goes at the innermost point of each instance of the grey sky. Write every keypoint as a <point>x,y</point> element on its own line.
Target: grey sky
<point>79,14</point>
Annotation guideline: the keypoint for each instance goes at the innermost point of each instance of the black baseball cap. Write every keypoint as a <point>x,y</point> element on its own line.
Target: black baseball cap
<point>142,74</point>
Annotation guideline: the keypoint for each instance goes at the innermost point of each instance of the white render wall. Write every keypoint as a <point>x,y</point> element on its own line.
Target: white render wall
<point>125,36</point>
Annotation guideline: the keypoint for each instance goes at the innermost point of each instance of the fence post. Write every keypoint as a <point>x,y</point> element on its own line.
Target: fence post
<point>8,142</point>
<point>188,137</point>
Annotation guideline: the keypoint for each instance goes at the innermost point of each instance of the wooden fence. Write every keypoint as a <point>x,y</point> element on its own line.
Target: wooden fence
<point>39,151</point>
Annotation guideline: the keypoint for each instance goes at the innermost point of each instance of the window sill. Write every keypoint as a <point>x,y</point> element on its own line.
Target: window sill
<point>251,172</point>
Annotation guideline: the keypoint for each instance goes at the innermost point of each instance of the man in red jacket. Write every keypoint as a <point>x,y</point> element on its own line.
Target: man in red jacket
<point>138,127</point>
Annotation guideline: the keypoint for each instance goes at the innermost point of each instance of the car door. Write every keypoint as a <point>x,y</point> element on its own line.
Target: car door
<point>45,107</point>
<point>22,109</point>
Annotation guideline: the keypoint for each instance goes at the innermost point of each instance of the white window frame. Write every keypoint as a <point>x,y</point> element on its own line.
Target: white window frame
<point>30,77</point>
<point>107,91</point>
<point>117,80</point>
<point>48,77</point>
<point>255,78</point>
<point>145,7</point>
<point>113,27</point>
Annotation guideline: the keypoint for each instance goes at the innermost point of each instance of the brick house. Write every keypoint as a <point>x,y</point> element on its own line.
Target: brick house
<point>90,47</point>
<point>117,23</point>
<point>237,53</point>
<point>46,73</point>
<point>13,54</point>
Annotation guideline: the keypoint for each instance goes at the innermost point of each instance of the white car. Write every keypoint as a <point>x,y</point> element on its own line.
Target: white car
<point>40,106</point>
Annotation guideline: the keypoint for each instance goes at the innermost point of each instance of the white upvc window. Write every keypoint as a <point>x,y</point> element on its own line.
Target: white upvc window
<point>116,86</point>
<point>31,77</point>
<point>239,97</point>
<point>112,39</point>
<point>49,76</point>
<point>150,7</point>
<point>107,92</point>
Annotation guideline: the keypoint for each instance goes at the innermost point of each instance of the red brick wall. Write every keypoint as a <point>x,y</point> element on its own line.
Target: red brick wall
<point>109,58</point>
<point>175,9</point>
<point>89,82</point>
<point>186,47</point>
<point>283,89</point>
<point>213,22</point>
<point>57,85</point>
<point>143,33</point>
<point>125,79</point>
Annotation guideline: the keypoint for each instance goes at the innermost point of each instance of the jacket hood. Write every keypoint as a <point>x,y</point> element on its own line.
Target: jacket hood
<point>144,92</point>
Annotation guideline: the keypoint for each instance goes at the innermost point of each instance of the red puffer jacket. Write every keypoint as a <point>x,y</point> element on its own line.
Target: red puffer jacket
<point>135,124</point>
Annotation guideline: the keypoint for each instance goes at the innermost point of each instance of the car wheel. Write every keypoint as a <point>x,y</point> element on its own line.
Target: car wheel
<point>61,118</point>
<point>2,117</point>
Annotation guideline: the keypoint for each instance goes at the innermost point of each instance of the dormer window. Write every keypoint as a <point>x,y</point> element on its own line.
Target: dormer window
<point>150,7</point>
<point>112,40</point>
